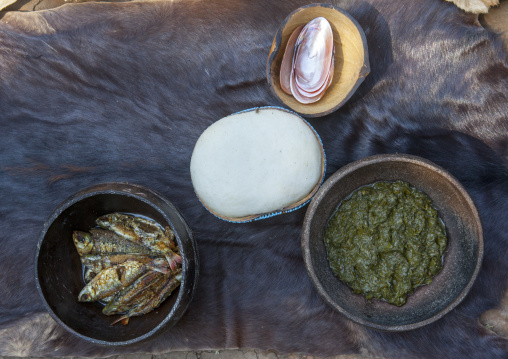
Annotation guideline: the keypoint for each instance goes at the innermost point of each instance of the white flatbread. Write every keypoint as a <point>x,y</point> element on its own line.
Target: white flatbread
<point>256,162</point>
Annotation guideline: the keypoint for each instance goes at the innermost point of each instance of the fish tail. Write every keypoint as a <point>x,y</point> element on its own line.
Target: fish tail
<point>160,268</point>
<point>124,319</point>
<point>173,260</point>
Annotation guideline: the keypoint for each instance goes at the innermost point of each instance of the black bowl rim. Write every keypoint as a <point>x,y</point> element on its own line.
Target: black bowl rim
<point>351,167</point>
<point>127,189</point>
<point>277,42</point>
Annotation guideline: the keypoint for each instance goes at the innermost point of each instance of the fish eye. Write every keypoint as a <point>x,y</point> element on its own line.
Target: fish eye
<point>119,272</point>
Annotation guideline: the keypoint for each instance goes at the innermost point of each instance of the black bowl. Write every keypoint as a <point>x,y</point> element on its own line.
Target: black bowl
<point>462,259</point>
<point>58,270</point>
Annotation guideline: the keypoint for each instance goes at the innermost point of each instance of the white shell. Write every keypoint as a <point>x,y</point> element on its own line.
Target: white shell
<point>286,67</point>
<point>313,55</point>
<point>256,162</point>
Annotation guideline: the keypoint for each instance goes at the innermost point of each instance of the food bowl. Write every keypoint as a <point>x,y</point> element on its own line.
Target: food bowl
<point>351,58</point>
<point>59,275</point>
<point>462,259</point>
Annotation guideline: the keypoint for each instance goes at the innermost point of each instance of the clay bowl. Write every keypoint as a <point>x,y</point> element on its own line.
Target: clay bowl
<point>462,259</point>
<point>351,58</point>
<point>59,275</point>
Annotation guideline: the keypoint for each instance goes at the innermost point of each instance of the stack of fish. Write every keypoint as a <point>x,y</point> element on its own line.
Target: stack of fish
<point>130,262</point>
<point>307,67</point>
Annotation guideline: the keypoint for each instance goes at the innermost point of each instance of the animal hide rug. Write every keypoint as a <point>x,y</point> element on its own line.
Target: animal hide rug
<point>99,92</point>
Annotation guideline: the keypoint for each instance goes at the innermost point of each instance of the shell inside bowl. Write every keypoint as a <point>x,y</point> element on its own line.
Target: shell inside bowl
<point>58,270</point>
<point>351,58</point>
<point>462,259</point>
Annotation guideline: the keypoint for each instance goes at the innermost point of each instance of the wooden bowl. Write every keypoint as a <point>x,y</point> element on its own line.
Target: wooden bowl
<point>462,259</point>
<point>59,274</point>
<point>351,58</point>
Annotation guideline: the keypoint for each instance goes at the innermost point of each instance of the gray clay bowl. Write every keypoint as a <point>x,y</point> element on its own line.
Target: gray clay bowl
<point>462,258</point>
<point>58,271</point>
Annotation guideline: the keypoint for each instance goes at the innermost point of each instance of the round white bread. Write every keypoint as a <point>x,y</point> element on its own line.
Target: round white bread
<point>256,162</point>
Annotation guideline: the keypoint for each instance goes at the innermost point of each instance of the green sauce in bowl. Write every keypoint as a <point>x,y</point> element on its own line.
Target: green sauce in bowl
<point>385,240</point>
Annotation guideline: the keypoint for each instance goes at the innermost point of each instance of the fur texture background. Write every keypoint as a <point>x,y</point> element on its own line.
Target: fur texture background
<point>100,92</point>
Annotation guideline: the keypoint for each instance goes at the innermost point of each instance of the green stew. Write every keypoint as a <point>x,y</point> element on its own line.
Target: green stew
<point>385,240</point>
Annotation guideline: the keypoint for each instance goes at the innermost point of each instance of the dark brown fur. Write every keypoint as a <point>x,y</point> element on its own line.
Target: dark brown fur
<point>102,92</point>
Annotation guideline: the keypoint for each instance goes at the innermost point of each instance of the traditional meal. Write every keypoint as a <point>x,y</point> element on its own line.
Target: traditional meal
<point>308,63</point>
<point>386,240</point>
<point>131,264</point>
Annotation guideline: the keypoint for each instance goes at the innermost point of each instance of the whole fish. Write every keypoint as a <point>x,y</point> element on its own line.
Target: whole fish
<point>153,301</point>
<point>131,226</point>
<point>138,229</point>
<point>137,292</point>
<point>99,241</point>
<point>99,262</point>
<point>110,280</point>
<point>142,231</point>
